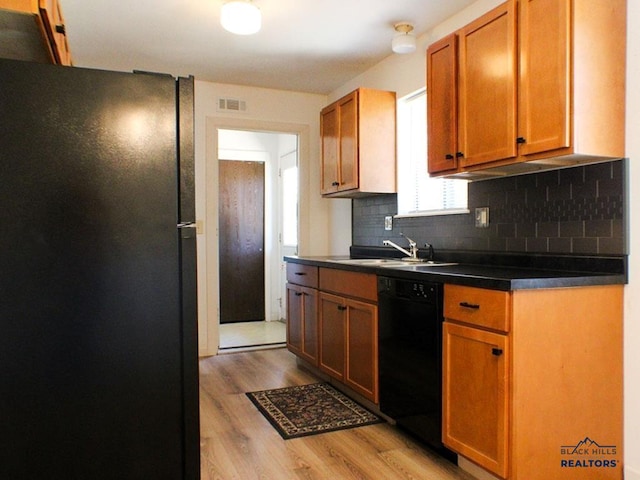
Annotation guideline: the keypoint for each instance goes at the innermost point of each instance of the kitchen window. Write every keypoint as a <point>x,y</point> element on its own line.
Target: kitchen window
<point>419,194</point>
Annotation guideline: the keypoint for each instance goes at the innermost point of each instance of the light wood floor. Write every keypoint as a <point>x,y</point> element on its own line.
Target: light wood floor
<point>238,443</point>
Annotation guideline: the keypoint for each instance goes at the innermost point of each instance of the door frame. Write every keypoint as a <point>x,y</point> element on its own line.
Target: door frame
<point>208,259</point>
<point>282,249</point>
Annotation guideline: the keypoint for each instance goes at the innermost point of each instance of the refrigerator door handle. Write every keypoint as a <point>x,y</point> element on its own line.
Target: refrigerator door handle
<point>187,225</point>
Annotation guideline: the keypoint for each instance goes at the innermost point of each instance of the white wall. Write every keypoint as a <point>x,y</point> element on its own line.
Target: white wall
<point>404,74</point>
<point>632,291</point>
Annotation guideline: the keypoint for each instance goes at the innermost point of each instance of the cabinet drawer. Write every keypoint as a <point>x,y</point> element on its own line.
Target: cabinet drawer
<point>478,306</point>
<point>306,275</point>
<point>349,284</point>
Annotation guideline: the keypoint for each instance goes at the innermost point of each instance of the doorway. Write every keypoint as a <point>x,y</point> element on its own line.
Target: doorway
<point>256,217</point>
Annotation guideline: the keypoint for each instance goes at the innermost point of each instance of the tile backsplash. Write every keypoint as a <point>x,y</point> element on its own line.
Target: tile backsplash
<point>577,210</point>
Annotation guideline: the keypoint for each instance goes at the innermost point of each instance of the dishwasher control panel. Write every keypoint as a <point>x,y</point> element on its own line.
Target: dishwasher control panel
<point>409,289</point>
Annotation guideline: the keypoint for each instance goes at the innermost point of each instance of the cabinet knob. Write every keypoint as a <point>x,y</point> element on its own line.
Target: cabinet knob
<point>459,154</point>
<point>61,29</point>
<point>299,273</point>
<point>496,351</point>
<point>335,184</point>
<point>448,156</point>
<point>299,294</point>
<point>521,140</point>
<point>341,308</point>
<point>473,306</point>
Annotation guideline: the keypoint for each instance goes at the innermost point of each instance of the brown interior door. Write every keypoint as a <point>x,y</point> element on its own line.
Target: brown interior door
<point>241,247</point>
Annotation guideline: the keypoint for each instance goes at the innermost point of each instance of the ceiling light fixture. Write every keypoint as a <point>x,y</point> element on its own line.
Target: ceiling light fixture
<point>404,41</point>
<point>241,17</point>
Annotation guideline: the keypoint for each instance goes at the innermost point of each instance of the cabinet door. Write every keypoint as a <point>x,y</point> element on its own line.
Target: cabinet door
<point>329,132</point>
<point>56,29</point>
<point>310,325</point>
<point>333,323</point>
<point>544,119</point>
<point>295,313</point>
<point>475,395</point>
<point>487,87</point>
<point>302,324</point>
<point>348,158</point>
<point>362,349</point>
<point>442,109</point>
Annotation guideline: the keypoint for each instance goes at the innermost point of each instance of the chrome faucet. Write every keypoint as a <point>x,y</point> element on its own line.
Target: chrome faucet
<point>412,253</point>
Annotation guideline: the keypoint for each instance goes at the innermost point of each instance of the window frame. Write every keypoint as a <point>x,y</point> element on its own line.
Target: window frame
<point>403,129</point>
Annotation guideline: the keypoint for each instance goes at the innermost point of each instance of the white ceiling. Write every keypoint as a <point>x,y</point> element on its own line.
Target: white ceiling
<point>305,45</point>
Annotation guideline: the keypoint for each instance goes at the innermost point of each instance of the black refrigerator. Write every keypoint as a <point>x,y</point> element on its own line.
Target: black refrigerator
<point>98,327</point>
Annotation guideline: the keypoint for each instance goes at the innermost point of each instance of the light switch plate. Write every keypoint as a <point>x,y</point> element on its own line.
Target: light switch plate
<point>388,222</point>
<point>482,217</point>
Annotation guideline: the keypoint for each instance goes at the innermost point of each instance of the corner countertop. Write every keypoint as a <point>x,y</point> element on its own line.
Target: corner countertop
<point>491,270</point>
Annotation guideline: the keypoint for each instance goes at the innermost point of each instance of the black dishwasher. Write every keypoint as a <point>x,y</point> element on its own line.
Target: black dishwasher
<point>410,357</point>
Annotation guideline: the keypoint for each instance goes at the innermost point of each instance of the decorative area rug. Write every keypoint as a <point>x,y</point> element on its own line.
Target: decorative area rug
<point>310,409</point>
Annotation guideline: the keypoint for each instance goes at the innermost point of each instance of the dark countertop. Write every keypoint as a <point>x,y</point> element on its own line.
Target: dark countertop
<point>490,270</point>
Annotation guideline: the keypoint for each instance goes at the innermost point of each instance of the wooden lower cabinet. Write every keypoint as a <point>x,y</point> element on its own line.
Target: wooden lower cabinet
<point>475,411</point>
<point>362,349</point>
<point>302,322</point>
<point>532,381</point>
<point>349,343</point>
<point>333,325</point>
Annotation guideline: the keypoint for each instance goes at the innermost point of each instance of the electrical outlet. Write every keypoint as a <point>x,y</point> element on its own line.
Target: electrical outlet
<point>482,217</point>
<point>388,222</point>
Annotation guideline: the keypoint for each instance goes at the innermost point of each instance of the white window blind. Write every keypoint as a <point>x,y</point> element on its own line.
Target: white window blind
<point>419,194</point>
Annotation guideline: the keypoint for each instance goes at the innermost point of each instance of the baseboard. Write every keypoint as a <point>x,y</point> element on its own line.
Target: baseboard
<point>474,470</point>
<point>631,473</point>
<point>250,348</point>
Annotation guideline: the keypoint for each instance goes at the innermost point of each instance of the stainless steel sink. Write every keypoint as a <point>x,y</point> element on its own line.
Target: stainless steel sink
<point>373,262</point>
<point>433,263</point>
<point>393,262</point>
<point>426,266</point>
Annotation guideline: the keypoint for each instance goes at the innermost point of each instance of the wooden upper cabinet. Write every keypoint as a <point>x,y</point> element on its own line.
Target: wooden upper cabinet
<point>487,87</point>
<point>358,137</point>
<point>572,78</point>
<point>442,94</point>
<point>541,85</point>
<point>545,56</point>
<point>56,30</point>
<point>329,125</point>
<point>348,108</point>
<point>33,30</point>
